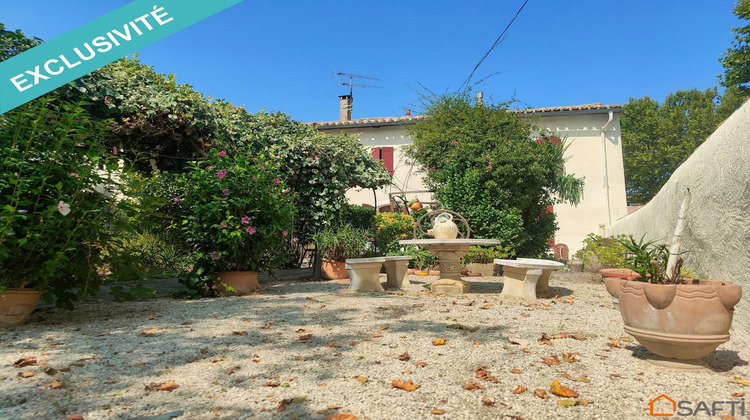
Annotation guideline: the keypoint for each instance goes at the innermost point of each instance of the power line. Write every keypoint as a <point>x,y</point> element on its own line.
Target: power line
<point>497,41</point>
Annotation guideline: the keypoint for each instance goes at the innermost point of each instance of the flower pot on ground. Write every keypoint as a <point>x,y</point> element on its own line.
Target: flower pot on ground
<point>233,210</point>
<point>335,244</point>
<point>239,283</point>
<point>16,306</point>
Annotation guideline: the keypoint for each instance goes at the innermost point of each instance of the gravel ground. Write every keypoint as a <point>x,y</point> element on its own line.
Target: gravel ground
<point>311,349</point>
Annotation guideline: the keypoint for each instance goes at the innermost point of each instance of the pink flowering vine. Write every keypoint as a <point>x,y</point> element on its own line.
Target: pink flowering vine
<point>245,220</point>
<point>284,233</point>
<point>222,173</point>
<point>277,180</point>
<point>222,224</point>
<point>222,153</point>
<point>250,230</point>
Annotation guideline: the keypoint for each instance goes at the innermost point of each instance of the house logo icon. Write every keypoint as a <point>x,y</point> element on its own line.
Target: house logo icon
<point>652,402</point>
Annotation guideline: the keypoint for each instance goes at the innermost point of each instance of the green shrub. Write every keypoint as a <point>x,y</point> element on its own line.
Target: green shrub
<point>360,217</point>
<point>602,252</point>
<point>339,243</point>
<point>485,255</point>
<point>391,227</point>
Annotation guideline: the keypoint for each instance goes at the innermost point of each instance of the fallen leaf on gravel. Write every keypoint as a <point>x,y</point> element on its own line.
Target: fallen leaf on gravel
<point>615,343</point>
<point>301,330</point>
<point>420,364</point>
<point>168,386</point>
<point>333,345</point>
<point>740,381</point>
<point>570,357</point>
<point>463,327</point>
<point>353,343</point>
<point>300,358</point>
<point>26,374</point>
<point>404,357</point>
<point>287,401</point>
<point>267,326</point>
<point>561,391</point>
<point>544,339</point>
<point>75,417</point>
<point>541,393</point>
<point>305,337</point>
<point>483,373</point>
<point>407,372</point>
<point>49,370</point>
<point>342,416</point>
<point>272,384</point>
<point>519,390</point>
<point>476,343</point>
<point>406,386</point>
<point>487,402</point>
<point>361,378</point>
<point>519,341</point>
<point>437,411</point>
<point>439,342</point>
<point>472,386</point>
<point>581,378</point>
<point>239,332</point>
<point>26,361</point>
<point>152,318</point>
<point>54,384</point>
<point>738,394</point>
<point>566,403</point>
<point>401,336</point>
<point>551,361</point>
<point>525,315</point>
<point>525,350</point>
<point>516,371</point>
<point>334,406</point>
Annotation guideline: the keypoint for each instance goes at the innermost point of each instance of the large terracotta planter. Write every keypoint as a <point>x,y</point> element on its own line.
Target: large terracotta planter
<point>16,306</point>
<point>334,270</point>
<point>243,282</point>
<point>613,277</point>
<point>683,321</point>
<point>622,273</point>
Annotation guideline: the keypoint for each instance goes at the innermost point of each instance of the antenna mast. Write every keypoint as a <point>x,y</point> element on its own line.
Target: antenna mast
<point>351,83</point>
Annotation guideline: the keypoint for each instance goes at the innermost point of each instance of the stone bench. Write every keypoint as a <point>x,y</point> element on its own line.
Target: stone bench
<point>364,273</point>
<point>525,277</point>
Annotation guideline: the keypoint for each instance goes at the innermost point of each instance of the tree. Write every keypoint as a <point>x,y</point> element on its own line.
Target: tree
<point>483,163</point>
<point>736,60</point>
<point>657,138</point>
<point>12,43</point>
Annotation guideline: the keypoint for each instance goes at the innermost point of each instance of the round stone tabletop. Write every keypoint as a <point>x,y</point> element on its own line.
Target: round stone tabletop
<point>469,241</point>
<point>532,263</point>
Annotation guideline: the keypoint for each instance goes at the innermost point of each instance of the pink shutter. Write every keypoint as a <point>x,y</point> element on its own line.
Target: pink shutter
<point>386,155</point>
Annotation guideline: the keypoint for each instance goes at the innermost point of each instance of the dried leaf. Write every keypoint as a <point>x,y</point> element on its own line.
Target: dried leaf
<point>333,345</point>
<point>404,357</point>
<point>519,341</point>
<point>740,381</point>
<point>301,330</point>
<point>551,361</point>
<point>561,391</point>
<point>581,378</point>
<point>420,364</point>
<point>544,339</point>
<point>239,332</point>
<point>361,378</point>
<point>54,384</point>
<point>437,411</point>
<point>267,326</point>
<point>541,393</point>
<point>472,386</point>
<point>525,315</point>
<point>272,384</point>
<point>570,357</point>
<point>305,337</point>
<point>482,373</point>
<point>300,358</point>
<point>738,394</point>
<point>476,343</point>
<point>26,361</point>
<point>516,371</point>
<point>406,386</point>
<point>566,403</point>
<point>487,402</point>
<point>342,416</point>
<point>167,386</point>
<point>519,390</point>
<point>561,335</point>
<point>439,342</point>
<point>26,374</point>
<point>49,370</point>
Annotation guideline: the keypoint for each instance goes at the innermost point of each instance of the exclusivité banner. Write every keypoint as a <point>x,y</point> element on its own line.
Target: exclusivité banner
<point>67,57</point>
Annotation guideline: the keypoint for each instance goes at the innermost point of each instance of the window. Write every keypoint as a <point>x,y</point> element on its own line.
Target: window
<point>384,155</point>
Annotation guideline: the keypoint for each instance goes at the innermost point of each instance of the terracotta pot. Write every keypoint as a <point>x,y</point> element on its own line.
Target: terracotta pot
<point>683,321</point>
<point>411,271</point>
<point>433,272</point>
<point>243,282</point>
<point>334,270</point>
<point>622,273</point>
<point>475,274</point>
<point>464,271</point>
<point>612,284</point>
<point>16,306</point>
<point>416,205</point>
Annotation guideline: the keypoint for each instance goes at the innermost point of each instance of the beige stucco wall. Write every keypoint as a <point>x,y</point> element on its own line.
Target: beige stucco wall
<point>585,157</point>
<point>717,229</point>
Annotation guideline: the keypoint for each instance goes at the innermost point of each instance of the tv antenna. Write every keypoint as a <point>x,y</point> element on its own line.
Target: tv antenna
<point>351,83</point>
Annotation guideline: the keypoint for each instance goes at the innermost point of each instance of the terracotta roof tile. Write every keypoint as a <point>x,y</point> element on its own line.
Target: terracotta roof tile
<point>406,119</point>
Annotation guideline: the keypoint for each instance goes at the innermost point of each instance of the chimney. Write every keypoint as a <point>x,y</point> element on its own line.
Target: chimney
<point>345,107</point>
<point>480,98</point>
<point>408,112</point>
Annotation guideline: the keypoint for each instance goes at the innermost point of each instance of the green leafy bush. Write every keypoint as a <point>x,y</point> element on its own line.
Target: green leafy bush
<point>391,227</point>
<point>648,259</point>
<point>339,243</point>
<point>602,252</point>
<point>359,217</point>
<point>485,255</point>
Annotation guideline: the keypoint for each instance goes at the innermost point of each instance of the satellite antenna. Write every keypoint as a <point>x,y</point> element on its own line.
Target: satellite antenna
<point>351,83</point>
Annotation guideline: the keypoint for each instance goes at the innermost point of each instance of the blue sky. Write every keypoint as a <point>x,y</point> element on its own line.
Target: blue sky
<point>281,55</point>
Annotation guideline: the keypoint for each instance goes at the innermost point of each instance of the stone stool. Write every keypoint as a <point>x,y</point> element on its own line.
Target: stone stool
<point>525,277</point>
<point>364,274</point>
<point>395,269</point>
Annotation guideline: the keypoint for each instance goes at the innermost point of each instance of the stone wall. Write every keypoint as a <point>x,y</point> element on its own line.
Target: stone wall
<point>717,229</point>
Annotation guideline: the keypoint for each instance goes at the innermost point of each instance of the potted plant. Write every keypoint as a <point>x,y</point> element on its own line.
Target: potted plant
<point>669,315</point>
<point>337,243</point>
<point>235,213</point>
<point>60,207</point>
<point>480,260</point>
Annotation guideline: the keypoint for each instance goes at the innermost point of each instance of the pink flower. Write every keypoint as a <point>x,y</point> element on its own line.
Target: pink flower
<point>222,173</point>
<point>371,239</point>
<point>222,153</point>
<point>215,255</point>
<point>224,199</point>
<point>63,208</point>
<point>255,179</point>
<point>177,199</point>
<point>284,233</point>
<point>225,191</point>
<point>245,220</point>
<point>277,180</point>
<point>222,224</point>
<point>250,230</point>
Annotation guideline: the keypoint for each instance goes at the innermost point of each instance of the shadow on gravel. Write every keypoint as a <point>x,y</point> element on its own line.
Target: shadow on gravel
<point>719,361</point>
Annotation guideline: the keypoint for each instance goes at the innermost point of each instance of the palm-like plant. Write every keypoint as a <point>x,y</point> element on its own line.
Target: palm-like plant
<point>648,259</point>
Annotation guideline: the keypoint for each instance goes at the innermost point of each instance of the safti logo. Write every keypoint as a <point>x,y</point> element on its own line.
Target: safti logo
<point>664,406</point>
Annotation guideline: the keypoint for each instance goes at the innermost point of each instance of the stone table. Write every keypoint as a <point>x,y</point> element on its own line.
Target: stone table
<point>525,277</point>
<point>449,253</point>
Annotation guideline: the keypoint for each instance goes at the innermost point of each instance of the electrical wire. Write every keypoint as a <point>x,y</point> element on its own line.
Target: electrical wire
<point>466,82</point>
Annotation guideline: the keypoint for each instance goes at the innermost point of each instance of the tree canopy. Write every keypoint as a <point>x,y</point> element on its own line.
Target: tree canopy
<point>483,162</point>
<point>736,60</point>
